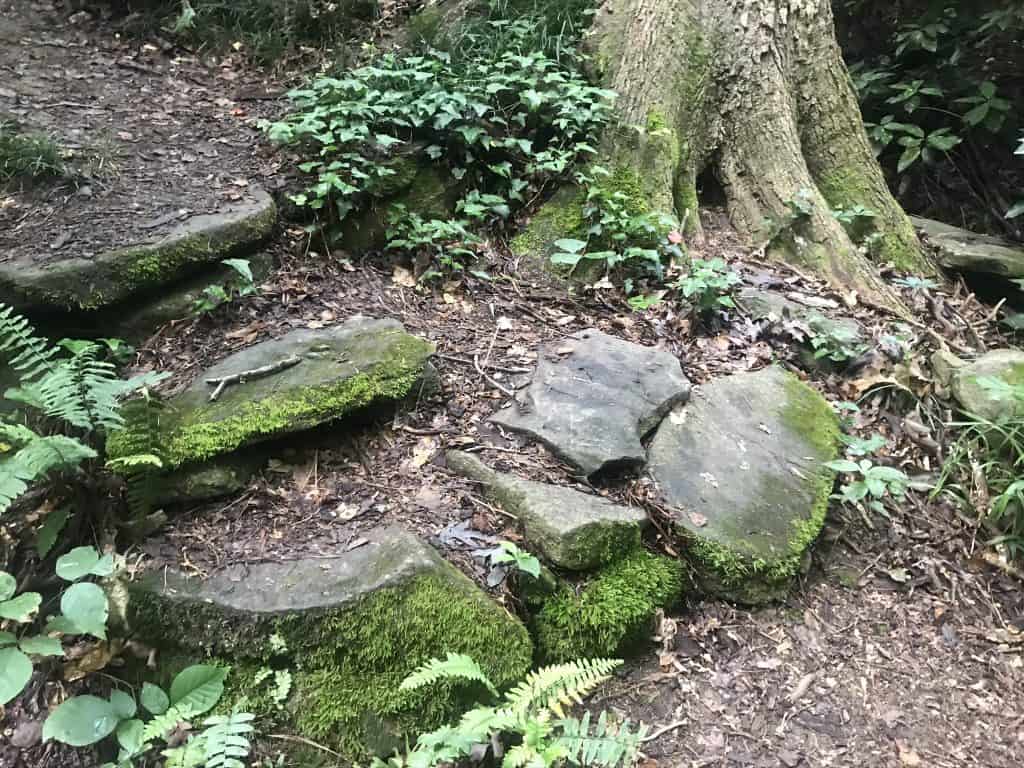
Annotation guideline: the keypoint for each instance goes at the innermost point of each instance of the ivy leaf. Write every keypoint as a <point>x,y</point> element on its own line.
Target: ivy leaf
<point>198,688</point>
<point>15,672</point>
<point>123,704</point>
<point>154,700</point>
<point>81,721</point>
<point>20,608</point>
<point>77,563</point>
<point>85,606</point>
<point>7,585</point>
<point>908,158</point>
<point>41,645</point>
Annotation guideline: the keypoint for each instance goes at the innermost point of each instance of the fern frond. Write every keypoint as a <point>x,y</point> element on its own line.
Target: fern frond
<point>559,685</point>
<point>137,447</point>
<point>226,739</point>
<point>456,665</point>
<point>36,457</point>
<point>25,352</point>
<point>161,725</point>
<point>606,746</point>
<point>191,754</point>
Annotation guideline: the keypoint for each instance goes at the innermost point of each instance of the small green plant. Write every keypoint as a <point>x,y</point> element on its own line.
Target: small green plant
<point>709,286</point>
<point>917,284</point>
<point>447,245</point>
<point>67,399</point>
<point>872,483</point>
<point>509,554</point>
<point>83,611</point>
<point>222,743</point>
<point>835,342</point>
<point>861,446</point>
<point>528,725</point>
<point>27,155</point>
<point>240,284</point>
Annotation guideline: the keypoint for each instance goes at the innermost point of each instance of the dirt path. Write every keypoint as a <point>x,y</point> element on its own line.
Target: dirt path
<point>897,649</point>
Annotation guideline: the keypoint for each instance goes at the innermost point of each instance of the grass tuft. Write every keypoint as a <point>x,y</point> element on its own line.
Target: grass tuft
<point>27,155</point>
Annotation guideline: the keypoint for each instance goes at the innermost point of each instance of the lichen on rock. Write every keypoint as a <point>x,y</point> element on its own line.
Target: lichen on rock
<point>750,508</point>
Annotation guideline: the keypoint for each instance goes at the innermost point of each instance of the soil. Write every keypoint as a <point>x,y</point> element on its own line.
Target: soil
<point>151,137</point>
<point>900,646</point>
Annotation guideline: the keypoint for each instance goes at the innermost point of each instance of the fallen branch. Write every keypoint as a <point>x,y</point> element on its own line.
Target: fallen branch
<point>256,373</point>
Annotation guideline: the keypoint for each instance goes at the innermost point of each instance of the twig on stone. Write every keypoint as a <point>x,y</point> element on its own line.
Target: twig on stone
<point>256,373</point>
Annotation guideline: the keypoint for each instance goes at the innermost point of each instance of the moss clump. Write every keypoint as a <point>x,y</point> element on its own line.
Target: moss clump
<point>611,614</point>
<point>347,664</point>
<point>561,216</point>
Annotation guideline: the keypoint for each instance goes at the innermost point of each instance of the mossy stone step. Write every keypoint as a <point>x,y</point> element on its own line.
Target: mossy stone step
<point>960,250</point>
<point>354,625</point>
<point>340,370</point>
<point>572,530</point>
<point>970,380</point>
<point>80,283</point>
<point>743,465</point>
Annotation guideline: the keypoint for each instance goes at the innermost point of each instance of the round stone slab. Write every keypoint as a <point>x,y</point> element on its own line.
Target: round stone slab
<point>79,283</point>
<point>351,624</point>
<point>594,397</point>
<point>743,466</point>
<point>333,372</point>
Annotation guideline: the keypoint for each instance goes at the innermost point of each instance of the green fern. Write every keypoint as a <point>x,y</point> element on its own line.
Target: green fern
<point>226,739</point>
<point>161,725</point>
<point>27,457</point>
<point>558,685</point>
<point>141,459</point>
<point>605,745</point>
<point>456,665</point>
<point>25,352</point>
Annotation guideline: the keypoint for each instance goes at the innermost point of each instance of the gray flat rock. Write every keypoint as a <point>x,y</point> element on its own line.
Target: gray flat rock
<point>572,530</point>
<point>960,250</point>
<point>594,397</point>
<point>80,283</point>
<point>968,385</point>
<point>742,465</point>
<point>356,364</point>
<point>771,305</point>
<point>352,624</point>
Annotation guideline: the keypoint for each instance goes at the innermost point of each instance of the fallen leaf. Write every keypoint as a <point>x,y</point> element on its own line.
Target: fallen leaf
<point>403,277</point>
<point>899,575</point>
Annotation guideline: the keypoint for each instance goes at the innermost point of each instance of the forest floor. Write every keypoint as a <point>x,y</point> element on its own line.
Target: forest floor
<point>900,646</point>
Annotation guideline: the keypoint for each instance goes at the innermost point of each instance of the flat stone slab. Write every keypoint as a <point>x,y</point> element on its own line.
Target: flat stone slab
<point>1006,367</point>
<point>742,464</point>
<point>356,364</point>
<point>594,397</point>
<point>771,305</point>
<point>572,530</point>
<point>71,282</point>
<point>353,624</point>
<point>960,250</point>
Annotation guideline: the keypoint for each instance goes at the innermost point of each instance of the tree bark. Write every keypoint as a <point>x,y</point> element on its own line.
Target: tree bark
<point>756,92</point>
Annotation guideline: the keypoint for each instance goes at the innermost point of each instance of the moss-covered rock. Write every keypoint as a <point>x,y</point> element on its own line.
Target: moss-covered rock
<point>612,613</point>
<point>357,364</point>
<point>572,530</point>
<point>353,626</point>
<point>112,277</point>
<point>743,464</point>
<point>976,386</point>
<point>960,250</point>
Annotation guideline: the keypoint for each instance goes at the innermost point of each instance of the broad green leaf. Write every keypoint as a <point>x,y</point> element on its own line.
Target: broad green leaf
<point>908,158</point>
<point>41,645</point>
<point>77,563</point>
<point>85,606</point>
<point>20,608</point>
<point>15,672</point>
<point>129,735</point>
<point>123,704</point>
<point>198,687</point>
<point>1016,210</point>
<point>7,585</point>
<point>570,245</point>
<point>8,638</point>
<point>154,699</point>
<point>843,466</point>
<point>81,721</point>
<point>567,259</point>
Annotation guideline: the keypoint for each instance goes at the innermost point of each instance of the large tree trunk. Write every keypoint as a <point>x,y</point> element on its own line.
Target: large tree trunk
<point>755,92</point>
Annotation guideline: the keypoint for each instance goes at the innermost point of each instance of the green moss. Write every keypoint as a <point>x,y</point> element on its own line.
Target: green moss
<point>202,434</point>
<point>745,574</point>
<point>561,216</point>
<point>425,26</point>
<point>625,181</point>
<point>347,665</point>
<point>656,121</point>
<point>611,614</point>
